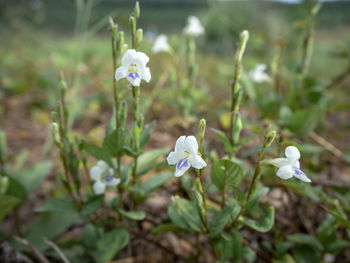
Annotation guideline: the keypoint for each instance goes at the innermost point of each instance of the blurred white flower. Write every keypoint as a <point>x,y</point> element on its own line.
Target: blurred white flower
<point>194,27</point>
<point>258,74</point>
<point>186,155</point>
<point>290,166</point>
<point>102,174</point>
<point>161,44</point>
<point>133,67</point>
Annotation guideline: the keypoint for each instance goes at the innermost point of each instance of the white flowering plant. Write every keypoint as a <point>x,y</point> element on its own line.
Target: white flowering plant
<point>226,193</point>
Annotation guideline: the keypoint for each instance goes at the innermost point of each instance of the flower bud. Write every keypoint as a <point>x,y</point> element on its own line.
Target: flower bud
<point>54,116</point>
<point>124,49</point>
<point>132,21</point>
<point>63,86</point>
<point>202,126</point>
<point>244,36</point>
<point>270,136</point>
<point>120,42</point>
<point>4,183</point>
<point>237,127</point>
<point>113,27</point>
<point>139,35</point>
<point>55,134</point>
<point>137,10</point>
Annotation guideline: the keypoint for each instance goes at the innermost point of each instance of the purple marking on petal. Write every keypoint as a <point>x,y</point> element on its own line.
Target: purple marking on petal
<point>298,171</point>
<point>182,163</point>
<point>134,75</point>
<point>109,179</point>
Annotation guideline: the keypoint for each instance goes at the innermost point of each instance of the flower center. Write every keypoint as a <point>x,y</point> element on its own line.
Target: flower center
<point>183,163</point>
<point>298,171</point>
<point>133,72</point>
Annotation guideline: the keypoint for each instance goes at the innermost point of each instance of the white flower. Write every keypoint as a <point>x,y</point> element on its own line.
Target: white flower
<point>186,155</point>
<point>194,27</point>
<point>258,74</point>
<point>133,67</point>
<point>290,166</point>
<point>102,174</point>
<point>161,44</point>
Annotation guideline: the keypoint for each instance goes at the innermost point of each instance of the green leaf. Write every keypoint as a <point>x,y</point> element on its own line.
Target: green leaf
<point>97,152</point>
<point>110,243</point>
<point>32,177</point>
<point>49,225</point>
<point>306,254</point>
<point>304,121</point>
<point>185,214</point>
<point>61,204</point>
<point>91,235</point>
<point>146,134</point>
<point>115,142</point>
<point>134,215</point>
<point>7,203</point>
<point>219,221</point>
<point>336,246</point>
<point>147,160</point>
<point>258,193</point>
<point>222,136</point>
<point>230,248</point>
<point>16,189</point>
<point>226,173</point>
<point>265,223</point>
<point>305,239</point>
<point>156,181</point>
<point>93,203</point>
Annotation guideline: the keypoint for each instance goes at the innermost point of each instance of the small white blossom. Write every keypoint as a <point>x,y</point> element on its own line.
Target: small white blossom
<point>102,174</point>
<point>133,67</point>
<point>194,27</point>
<point>290,166</point>
<point>186,155</point>
<point>161,44</point>
<point>258,74</point>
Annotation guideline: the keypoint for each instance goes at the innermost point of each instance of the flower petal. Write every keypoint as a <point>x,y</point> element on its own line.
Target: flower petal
<point>103,165</point>
<point>145,74</point>
<point>95,173</point>
<point>198,162</point>
<point>182,166</point>
<point>141,59</point>
<point>191,145</point>
<point>285,172</point>
<point>180,143</point>
<point>112,181</point>
<point>174,157</point>
<point>129,57</point>
<point>301,175</point>
<point>292,153</point>
<point>279,162</point>
<point>99,187</point>
<point>121,72</point>
<point>134,78</point>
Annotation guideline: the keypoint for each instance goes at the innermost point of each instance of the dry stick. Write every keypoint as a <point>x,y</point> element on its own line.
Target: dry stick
<point>328,146</point>
<point>35,251</point>
<point>57,249</point>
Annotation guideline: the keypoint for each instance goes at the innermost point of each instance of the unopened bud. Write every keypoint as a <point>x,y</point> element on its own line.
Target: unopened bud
<point>120,42</point>
<point>139,35</point>
<point>270,136</point>
<point>54,116</point>
<point>244,36</point>
<point>56,134</point>
<point>202,126</point>
<point>237,128</point>
<point>4,183</point>
<point>124,49</point>
<point>113,27</point>
<point>137,10</point>
<point>63,86</point>
<point>132,21</point>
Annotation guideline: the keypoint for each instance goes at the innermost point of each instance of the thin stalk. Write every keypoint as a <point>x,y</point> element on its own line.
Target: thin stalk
<point>256,172</point>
